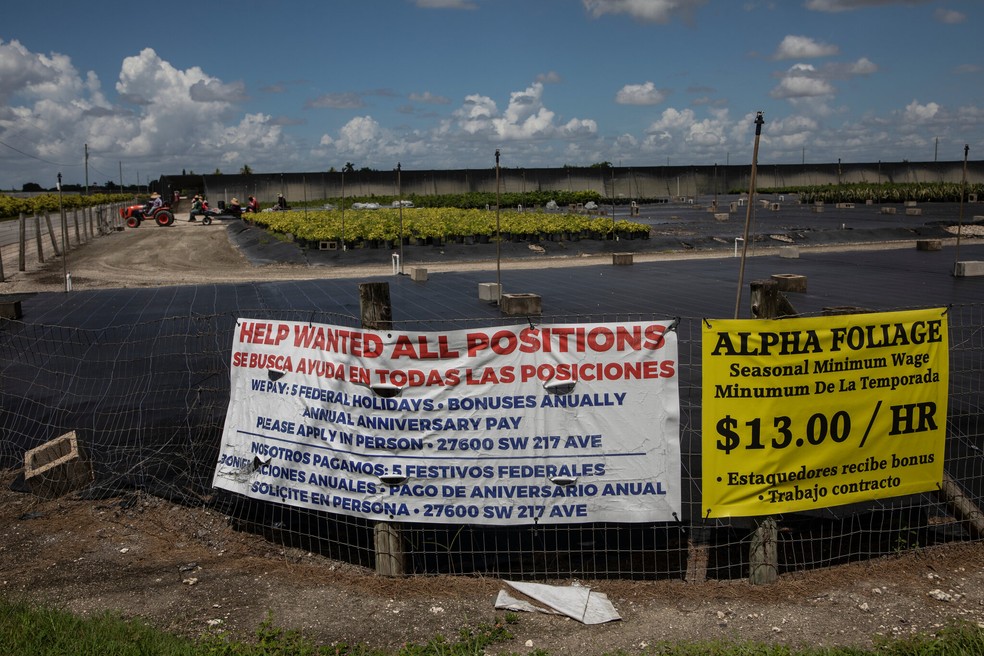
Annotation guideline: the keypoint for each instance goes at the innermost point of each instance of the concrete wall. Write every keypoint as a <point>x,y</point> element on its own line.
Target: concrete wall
<point>628,182</point>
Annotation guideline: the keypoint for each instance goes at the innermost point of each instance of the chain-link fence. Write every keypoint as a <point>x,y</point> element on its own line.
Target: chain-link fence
<point>148,401</point>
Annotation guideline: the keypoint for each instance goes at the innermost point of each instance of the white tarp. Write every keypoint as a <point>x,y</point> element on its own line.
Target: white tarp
<point>506,425</point>
<point>577,602</point>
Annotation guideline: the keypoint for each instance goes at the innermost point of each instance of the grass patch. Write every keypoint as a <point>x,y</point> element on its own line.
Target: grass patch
<point>40,631</point>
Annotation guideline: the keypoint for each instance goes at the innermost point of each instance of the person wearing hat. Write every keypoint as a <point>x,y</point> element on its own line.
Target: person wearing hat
<point>235,209</point>
<point>281,202</point>
<point>153,204</point>
<point>196,207</point>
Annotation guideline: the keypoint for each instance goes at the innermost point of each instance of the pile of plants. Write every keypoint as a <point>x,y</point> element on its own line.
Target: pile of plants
<point>12,207</point>
<point>889,192</point>
<point>385,227</point>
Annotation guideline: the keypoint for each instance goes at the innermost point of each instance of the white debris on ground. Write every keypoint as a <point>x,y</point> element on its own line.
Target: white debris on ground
<point>975,230</point>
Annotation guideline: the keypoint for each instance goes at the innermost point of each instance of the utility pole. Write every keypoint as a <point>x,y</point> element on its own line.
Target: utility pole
<point>64,229</point>
<point>399,199</point>
<point>963,193</point>
<point>498,232</point>
<point>759,120</point>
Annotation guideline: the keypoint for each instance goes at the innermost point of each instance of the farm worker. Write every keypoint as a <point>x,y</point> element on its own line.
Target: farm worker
<point>196,207</point>
<point>281,202</point>
<point>235,209</point>
<point>153,204</point>
<point>253,205</point>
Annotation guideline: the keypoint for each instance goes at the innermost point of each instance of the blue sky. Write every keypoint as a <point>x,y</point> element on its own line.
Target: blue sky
<point>157,88</point>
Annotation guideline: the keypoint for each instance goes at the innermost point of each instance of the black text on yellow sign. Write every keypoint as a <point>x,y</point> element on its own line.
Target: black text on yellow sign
<point>808,413</point>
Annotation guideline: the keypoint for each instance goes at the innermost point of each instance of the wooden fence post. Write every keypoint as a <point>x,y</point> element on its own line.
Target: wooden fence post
<point>22,243</point>
<point>376,313</point>
<point>37,238</point>
<point>763,557</point>
<point>51,233</point>
<point>75,220</point>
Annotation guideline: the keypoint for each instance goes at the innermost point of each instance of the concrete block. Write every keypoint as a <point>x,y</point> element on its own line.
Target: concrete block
<point>913,211</point>
<point>929,245</point>
<point>11,310</point>
<point>790,282</point>
<point>888,210</point>
<point>327,245</point>
<point>774,207</point>
<point>910,203</point>
<point>971,198</point>
<point>489,291</point>
<point>418,274</point>
<point>621,258</point>
<point>523,304</point>
<point>733,206</point>
<point>845,206</point>
<point>57,467</point>
<point>818,209</point>
<point>721,216</point>
<point>789,252</point>
<point>968,268</point>
<point>870,201</point>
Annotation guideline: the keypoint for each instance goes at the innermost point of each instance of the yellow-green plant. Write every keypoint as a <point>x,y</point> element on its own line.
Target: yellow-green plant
<point>440,222</point>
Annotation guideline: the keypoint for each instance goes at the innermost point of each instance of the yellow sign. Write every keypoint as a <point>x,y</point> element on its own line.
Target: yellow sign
<point>809,413</point>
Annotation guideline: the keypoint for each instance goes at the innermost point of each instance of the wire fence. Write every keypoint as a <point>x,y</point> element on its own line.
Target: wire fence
<point>148,403</point>
<point>25,242</point>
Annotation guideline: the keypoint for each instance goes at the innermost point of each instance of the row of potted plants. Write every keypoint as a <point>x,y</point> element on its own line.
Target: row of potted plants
<point>12,206</point>
<point>446,224</point>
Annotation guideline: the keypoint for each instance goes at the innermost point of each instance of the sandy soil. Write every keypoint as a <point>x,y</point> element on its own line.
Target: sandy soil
<point>186,570</point>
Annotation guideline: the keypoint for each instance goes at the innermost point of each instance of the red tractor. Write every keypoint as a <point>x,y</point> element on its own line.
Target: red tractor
<point>135,214</point>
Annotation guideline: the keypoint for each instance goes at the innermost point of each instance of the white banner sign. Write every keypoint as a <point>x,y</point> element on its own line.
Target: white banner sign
<point>508,425</point>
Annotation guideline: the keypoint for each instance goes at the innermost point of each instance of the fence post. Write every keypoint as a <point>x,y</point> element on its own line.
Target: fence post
<point>376,313</point>
<point>22,244</point>
<point>37,238</point>
<point>763,557</point>
<point>51,233</point>
<point>75,219</point>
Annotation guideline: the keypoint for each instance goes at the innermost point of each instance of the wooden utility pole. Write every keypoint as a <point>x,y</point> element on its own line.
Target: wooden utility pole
<point>759,120</point>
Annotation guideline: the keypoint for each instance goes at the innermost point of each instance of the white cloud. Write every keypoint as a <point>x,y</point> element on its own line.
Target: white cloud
<point>525,117</point>
<point>863,66</point>
<point>550,77</point>
<point>347,100</point>
<point>429,98</point>
<point>803,47</point>
<point>33,76</point>
<point>964,69</point>
<point>650,11</point>
<point>916,113</point>
<point>672,119</point>
<point>216,91</point>
<point>833,6</point>
<point>446,4</point>
<point>640,94</point>
<point>949,16</point>
<point>801,81</point>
